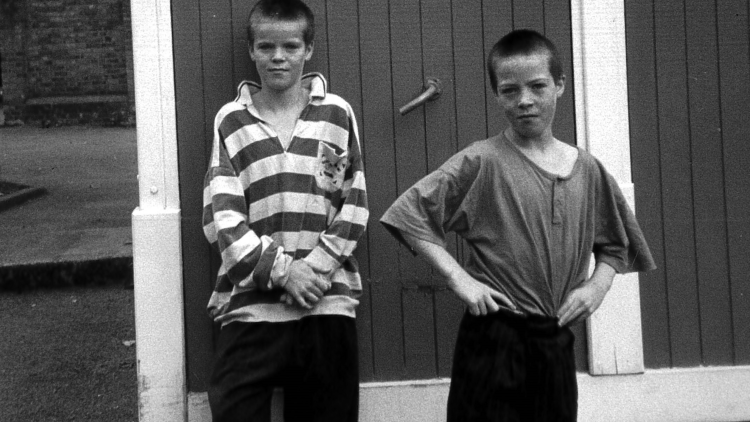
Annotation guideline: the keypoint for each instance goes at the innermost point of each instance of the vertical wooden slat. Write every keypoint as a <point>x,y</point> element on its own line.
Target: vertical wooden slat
<point>319,61</point>
<point>529,14</point>
<point>345,79</point>
<point>437,56</point>
<point>645,153</point>
<point>191,121</point>
<point>411,165</point>
<point>408,82</point>
<point>242,67</point>
<point>558,29</point>
<point>470,125</point>
<point>377,129</point>
<point>216,58</point>
<point>438,50</point>
<point>497,20</point>
<point>419,332</point>
<point>708,183</point>
<point>676,175</point>
<point>449,311</point>
<point>734,69</point>
<point>470,74</point>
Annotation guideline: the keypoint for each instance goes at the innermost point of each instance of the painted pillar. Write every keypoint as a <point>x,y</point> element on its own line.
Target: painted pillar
<point>614,330</point>
<point>157,257</point>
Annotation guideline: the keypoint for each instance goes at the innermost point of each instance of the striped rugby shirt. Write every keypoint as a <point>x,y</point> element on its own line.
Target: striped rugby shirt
<point>264,206</point>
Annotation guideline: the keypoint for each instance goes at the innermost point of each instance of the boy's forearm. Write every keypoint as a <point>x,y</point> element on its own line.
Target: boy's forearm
<point>602,276</point>
<point>437,256</point>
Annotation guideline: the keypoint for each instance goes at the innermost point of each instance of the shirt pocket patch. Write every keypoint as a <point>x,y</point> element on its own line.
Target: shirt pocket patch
<point>331,168</point>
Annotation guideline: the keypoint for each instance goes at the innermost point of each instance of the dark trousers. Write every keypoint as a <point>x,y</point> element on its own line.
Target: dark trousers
<point>314,360</point>
<point>513,368</point>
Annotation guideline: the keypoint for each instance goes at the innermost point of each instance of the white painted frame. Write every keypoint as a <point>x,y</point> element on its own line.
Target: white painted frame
<point>157,249</point>
<point>615,339</point>
<point>697,394</point>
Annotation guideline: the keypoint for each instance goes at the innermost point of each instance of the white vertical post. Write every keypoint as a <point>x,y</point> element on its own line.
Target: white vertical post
<point>614,331</point>
<point>157,255</point>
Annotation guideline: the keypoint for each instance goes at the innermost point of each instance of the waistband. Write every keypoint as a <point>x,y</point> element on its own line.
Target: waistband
<point>532,324</point>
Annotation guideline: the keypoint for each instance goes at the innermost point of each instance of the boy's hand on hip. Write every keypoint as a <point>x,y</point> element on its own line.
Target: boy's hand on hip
<point>582,301</point>
<point>304,286</point>
<point>478,297</point>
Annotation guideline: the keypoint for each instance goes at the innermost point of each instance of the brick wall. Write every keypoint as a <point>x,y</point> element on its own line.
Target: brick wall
<point>67,61</point>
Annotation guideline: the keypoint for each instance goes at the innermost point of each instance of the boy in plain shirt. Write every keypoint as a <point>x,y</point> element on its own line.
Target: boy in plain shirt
<point>531,210</point>
<point>285,204</point>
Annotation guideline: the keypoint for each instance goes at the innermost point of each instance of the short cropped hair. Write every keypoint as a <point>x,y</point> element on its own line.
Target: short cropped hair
<point>524,42</point>
<point>284,10</point>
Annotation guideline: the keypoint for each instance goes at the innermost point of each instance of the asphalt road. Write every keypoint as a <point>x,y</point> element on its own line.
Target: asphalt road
<point>90,174</point>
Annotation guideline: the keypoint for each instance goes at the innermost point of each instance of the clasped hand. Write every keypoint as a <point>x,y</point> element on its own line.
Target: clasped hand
<point>304,286</point>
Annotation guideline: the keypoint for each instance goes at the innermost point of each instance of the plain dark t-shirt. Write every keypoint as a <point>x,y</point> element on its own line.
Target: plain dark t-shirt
<point>530,233</point>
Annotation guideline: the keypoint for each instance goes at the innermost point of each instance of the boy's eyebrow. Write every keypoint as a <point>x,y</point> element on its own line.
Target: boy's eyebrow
<point>541,79</point>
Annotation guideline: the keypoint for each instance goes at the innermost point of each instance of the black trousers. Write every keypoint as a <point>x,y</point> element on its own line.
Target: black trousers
<point>314,360</point>
<point>513,368</point>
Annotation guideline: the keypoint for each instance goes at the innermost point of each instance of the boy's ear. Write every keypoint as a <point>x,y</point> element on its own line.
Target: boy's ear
<point>251,51</point>
<point>560,86</point>
<point>309,48</point>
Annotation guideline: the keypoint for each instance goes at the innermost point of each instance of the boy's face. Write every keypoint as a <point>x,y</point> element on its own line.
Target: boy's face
<point>527,93</point>
<point>279,52</point>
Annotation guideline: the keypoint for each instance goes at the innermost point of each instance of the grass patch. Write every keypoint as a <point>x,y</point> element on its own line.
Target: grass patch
<point>67,355</point>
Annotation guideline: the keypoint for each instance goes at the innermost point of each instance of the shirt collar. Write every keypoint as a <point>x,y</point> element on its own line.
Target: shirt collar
<point>314,81</point>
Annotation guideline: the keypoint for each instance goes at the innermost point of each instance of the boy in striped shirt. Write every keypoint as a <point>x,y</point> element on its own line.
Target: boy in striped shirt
<point>285,204</point>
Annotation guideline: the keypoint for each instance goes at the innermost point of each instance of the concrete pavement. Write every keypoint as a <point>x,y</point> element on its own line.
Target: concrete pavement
<point>90,175</point>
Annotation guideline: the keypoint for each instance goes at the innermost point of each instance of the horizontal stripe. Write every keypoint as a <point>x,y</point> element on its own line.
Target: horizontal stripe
<point>224,185</point>
<point>255,151</point>
<point>337,247</point>
<point>262,270</point>
<point>358,199</point>
<point>294,240</point>
<point>357,182</point>
<point>229,219</point>
<point>236,249</point>
<point>220,299</point>
<point>254,297</point>
<point>228,210</point>
<point>279,312</point>
<point>209,230</point>
<point>285,182</point>
<point>235,118</point>
<point>332,133</point>
<point>208,215</point>
<point>223,284</point>
<point>289,202</point>
<point>347,274</point>
<point>284,222</point>
<point>218,303</point>
<point>345,230</point>
<point>252,139</point>
<point>353,212</point>
<point>331,109</point>
<point>279,164</point>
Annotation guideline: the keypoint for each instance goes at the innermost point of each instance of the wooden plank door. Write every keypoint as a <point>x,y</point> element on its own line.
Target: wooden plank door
<point>403,44</point>
<point>689,80</point>
<point>377,55</point>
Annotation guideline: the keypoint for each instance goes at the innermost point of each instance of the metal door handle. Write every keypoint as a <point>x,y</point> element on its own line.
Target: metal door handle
<point>431,92</point>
